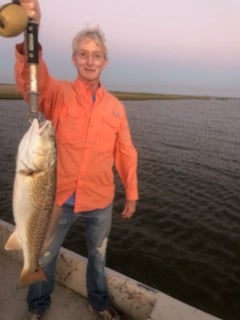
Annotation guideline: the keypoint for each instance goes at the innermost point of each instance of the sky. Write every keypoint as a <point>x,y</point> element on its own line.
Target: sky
<point>161,46</point>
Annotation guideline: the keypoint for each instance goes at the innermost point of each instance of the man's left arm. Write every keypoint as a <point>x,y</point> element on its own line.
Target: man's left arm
<point>126,165</point>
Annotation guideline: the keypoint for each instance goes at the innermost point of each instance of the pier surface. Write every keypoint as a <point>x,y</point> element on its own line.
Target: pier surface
<point>65,303</point>
<point>135,300</point>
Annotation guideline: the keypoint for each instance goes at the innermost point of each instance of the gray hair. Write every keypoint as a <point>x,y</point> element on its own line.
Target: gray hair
<point>94,34</point>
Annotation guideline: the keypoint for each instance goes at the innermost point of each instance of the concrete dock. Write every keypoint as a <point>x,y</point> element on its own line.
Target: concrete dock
<point>134,300</point>
<point>65,305</point>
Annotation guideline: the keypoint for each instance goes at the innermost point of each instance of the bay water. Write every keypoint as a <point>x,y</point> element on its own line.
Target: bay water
<point>185,236</point>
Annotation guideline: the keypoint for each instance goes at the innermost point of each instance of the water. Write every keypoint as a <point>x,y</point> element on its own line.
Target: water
<point>185,237</point>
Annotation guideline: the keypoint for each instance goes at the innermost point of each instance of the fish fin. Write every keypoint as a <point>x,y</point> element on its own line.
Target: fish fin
<point>13,242</point>
<point>51,231</point>
<point>46,245</point>
<point>27,277</point>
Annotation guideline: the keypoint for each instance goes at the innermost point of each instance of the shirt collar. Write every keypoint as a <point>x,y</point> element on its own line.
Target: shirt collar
<point>82,88</point>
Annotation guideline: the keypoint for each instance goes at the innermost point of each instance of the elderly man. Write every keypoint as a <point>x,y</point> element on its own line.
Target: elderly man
<point>92,135</point>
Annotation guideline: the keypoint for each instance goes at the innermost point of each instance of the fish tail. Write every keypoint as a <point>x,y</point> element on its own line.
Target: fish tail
<point>28,277</point>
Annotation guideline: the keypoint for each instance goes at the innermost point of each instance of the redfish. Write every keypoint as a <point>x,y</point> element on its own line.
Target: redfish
<point>33,197</point>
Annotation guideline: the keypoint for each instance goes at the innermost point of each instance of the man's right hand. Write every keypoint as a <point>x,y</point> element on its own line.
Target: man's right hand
<point>32,9</point>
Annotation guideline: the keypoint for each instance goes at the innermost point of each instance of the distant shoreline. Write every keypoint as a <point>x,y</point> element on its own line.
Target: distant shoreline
<point>9,92</point>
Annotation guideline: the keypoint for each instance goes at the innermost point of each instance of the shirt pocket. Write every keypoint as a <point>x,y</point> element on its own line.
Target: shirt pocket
<point>69,129</point>
<point>108,134</point>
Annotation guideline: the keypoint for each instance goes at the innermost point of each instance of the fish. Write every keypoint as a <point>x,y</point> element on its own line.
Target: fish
<point>33,197</point>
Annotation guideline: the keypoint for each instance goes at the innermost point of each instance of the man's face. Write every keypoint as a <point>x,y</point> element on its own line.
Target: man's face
<point>89,60</point>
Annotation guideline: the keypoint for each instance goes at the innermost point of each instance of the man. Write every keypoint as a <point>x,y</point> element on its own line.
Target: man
<point>92,135</point>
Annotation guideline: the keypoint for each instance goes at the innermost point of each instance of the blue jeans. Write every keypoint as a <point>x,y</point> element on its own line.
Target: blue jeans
<point>97,228</point>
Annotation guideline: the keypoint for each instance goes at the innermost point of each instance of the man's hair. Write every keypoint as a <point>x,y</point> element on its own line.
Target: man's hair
<point>94,34</point>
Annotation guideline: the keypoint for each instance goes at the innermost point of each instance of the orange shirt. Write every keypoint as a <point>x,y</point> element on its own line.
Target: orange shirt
<point>91,138</point>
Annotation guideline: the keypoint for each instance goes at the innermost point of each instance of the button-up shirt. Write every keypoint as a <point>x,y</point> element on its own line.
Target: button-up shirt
<point>92,136</point>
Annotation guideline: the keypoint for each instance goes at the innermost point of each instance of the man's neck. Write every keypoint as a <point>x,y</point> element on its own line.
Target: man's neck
<point>92,85</point>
